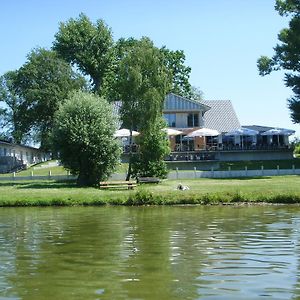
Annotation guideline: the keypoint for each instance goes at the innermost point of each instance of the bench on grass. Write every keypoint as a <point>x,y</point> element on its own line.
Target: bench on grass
<point>130,185</point>
<point>148,180</point>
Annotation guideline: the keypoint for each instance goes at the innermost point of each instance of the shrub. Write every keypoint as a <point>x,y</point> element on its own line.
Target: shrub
<point>83,135</point>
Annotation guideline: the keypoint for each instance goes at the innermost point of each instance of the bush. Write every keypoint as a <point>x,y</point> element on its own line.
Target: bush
<point>83,135</point>
<point>153,148</point>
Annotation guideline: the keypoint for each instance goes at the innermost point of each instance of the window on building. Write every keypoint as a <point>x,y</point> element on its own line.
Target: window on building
<point>193,120</point>
<point>171,119</point>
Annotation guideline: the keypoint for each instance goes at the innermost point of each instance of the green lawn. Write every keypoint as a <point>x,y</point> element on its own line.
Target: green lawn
<point>43,169</point>
<point>40,170</point>
<point>279,189</point>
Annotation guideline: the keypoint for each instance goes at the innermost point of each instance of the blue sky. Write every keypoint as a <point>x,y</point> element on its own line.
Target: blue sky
<point>222,40</point>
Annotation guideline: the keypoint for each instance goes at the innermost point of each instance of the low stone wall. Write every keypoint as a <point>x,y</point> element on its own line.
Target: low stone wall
<point>246,155</point>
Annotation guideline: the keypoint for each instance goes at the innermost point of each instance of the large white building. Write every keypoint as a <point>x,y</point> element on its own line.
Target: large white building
<point>188,115</point>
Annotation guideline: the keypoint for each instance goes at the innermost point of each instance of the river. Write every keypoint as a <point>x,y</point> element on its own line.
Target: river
<point>186,252</point>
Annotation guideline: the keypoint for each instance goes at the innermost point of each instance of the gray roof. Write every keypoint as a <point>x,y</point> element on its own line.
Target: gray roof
<point>178,103</point>
<point>258,128</point>
<point>221,116</point>
<point>11,143</point>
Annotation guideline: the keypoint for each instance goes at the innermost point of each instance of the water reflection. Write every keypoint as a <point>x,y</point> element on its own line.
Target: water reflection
<point>149,253</point>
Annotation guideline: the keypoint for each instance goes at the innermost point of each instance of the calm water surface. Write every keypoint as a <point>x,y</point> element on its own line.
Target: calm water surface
<point>150,253</point>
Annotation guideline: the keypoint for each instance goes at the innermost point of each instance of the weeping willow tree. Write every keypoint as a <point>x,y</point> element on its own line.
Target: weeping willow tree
<point>143,82</point>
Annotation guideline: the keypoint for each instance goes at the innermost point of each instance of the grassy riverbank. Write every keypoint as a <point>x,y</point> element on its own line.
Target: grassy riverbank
<point>43,169</point>
<point>279,189</point>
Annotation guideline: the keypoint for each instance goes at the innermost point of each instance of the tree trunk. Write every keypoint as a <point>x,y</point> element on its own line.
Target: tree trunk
<point>82,180</point>
<point>130,156</point>
<point>129,168</point>
<point>97,85</point>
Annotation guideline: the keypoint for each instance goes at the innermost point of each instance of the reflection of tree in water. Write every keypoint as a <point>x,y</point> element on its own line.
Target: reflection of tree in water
<point>146,269</point>
<point>63,253</point>
<point>145,252</point>
<point>188,254</point>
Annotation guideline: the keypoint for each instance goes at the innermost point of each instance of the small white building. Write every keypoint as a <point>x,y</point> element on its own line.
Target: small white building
<point>15,156</point>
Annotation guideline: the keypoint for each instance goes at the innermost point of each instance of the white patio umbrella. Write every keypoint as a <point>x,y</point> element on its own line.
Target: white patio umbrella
<point>288,131</point>
<point>241,132</point>
<point>203,132</point>
<point>278,132</point>
<point>125,133</point>
<point>273,131</point>
<point>171,131</point>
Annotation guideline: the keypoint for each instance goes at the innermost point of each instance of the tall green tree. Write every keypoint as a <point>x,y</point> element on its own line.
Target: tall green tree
<point>149,161</point>
<point>9,115</point>
<point>83,135</point>
<point>287,54</point>
<point>175,63</point>
<point>41,84</point>
<point>143,82</point>
<point>89,47</point>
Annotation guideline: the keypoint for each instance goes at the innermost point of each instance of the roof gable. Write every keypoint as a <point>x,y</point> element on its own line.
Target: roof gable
<point>178,103</point>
